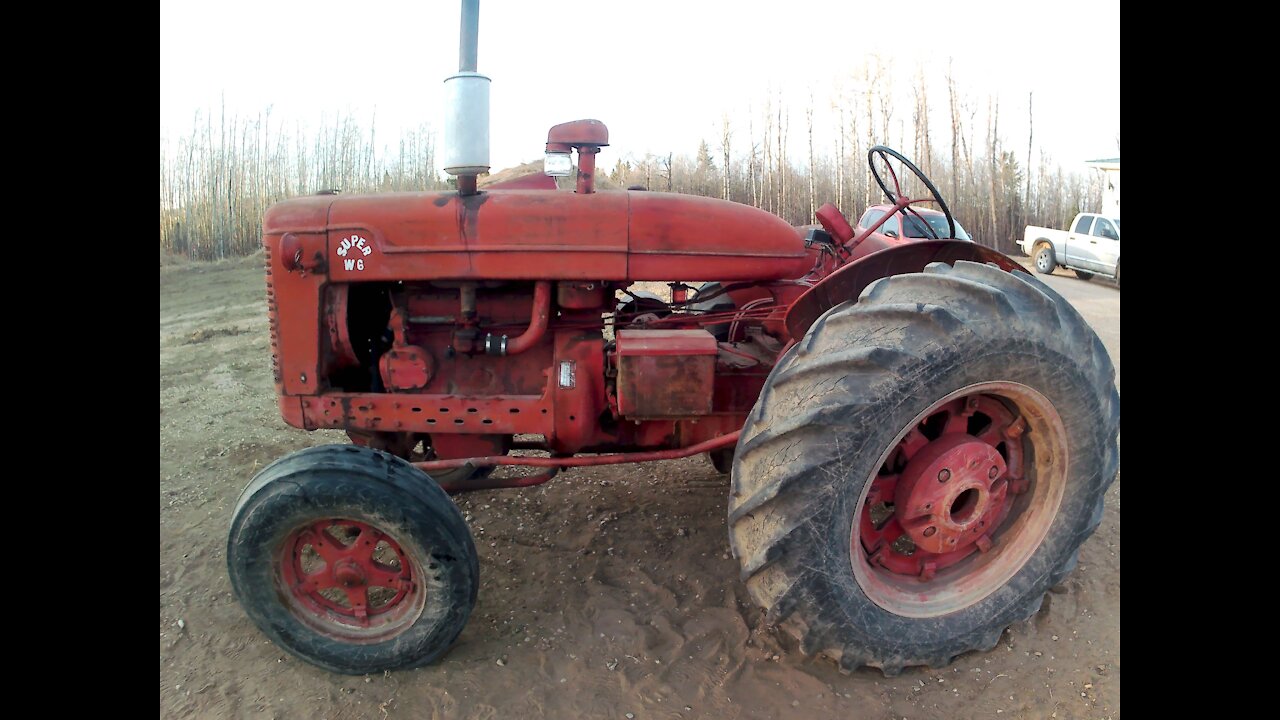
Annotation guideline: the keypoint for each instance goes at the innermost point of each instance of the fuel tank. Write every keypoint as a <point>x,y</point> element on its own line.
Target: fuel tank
<point>535,235</point>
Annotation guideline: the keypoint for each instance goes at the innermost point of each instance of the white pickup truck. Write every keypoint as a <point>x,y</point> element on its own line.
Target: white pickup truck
<point>1091,247</point>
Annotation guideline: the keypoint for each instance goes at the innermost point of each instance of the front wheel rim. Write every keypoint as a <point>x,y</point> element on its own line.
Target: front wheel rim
<point>960,501</point>
<point>350,581</point>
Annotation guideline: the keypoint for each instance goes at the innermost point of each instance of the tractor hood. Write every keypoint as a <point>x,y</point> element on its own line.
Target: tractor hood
<point>538,235</point>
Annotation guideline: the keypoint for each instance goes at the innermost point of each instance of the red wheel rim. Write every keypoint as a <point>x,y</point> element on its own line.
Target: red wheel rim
<point>350,580</point>
<point>960,501</point>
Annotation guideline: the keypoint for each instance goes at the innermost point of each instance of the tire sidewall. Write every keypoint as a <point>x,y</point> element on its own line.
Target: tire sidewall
<point>1045,260</point>
<point>946,635</point>
<point>444,566</point>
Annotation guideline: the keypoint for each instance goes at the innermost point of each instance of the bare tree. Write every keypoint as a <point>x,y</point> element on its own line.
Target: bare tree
<point>920,117</point>
<point>781,163</point>
<point>768,154</point>
<point>885,96</point>
<point>753,165</point>
<point>726,136</point>
<point>870,82</point>
<point>993,130</point>
<point>222,177</point>
<point>218,180</point>
<point>808,111</point>
<point>1030,134</point>
<point>840,154</point>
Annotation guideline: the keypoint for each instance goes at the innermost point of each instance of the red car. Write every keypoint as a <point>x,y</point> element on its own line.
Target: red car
<point>890,233</point>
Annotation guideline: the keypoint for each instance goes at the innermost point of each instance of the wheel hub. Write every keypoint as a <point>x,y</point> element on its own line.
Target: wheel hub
<point>947,488</point>
<point>961,501</point>
<point>950,492</point>
<point>349,579</point>
<point>348,573</point>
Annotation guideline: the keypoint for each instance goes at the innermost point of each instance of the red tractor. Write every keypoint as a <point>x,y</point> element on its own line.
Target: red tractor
<point>919,436</point>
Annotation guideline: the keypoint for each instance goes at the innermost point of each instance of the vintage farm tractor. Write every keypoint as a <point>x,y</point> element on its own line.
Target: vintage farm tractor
<point>919,435</point>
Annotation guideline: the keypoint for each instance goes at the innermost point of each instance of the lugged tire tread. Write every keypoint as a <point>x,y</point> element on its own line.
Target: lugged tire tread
<point>772,500</point>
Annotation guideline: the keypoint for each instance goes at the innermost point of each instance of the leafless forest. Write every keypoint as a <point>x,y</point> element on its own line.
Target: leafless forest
<point>216,182</point>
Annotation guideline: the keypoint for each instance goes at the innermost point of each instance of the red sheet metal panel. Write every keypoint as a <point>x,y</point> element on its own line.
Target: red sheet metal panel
<point>542,235</point>
<point>697,238</point>
<point>666,342</point>
<point>502,235</point>
<point>665,373</point>
<point>848,282</point>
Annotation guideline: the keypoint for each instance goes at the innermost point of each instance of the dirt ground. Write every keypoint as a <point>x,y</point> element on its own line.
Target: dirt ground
<point>606,593</point>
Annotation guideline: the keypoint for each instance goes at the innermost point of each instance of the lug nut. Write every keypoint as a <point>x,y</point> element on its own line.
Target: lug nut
<point>944,475</point>
<point>993,472</point>
<point>930,531</point>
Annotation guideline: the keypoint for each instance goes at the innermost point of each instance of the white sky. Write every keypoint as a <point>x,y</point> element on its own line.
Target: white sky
<point>659,73</point>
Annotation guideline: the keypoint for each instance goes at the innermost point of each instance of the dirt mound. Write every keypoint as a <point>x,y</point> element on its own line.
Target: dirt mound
<point>535,168</point>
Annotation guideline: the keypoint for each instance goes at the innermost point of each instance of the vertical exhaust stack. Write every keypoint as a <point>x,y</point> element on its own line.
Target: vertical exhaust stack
<point>466,121</point>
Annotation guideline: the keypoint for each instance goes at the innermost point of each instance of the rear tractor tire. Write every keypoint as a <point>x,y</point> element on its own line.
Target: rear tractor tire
<point>923,466</point>
<point>353,560</point>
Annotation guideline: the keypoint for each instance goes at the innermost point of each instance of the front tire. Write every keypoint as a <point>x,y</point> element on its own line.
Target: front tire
<point>1046,261</point>
<point>924,466</point>
<point>353,560</point>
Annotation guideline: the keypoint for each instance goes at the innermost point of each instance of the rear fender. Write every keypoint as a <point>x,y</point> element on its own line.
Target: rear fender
<point>848,282</point>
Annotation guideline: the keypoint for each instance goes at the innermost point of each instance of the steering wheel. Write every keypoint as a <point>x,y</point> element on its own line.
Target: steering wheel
<point>885,153</point>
